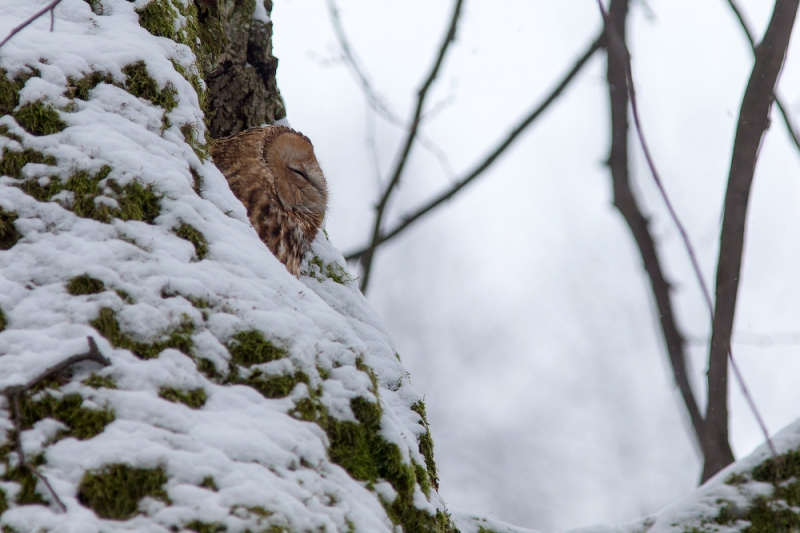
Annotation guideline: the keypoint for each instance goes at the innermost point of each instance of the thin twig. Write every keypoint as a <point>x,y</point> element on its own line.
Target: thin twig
<point>411,135</point>
<point>49,7</point>
<point>410,218</point>
<point>13,393</point>
<point>13,398</point>
<point>778,100</point>
<point>374,100</point>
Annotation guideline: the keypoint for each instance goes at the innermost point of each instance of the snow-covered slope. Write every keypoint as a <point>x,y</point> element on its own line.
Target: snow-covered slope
<point>238,397</point>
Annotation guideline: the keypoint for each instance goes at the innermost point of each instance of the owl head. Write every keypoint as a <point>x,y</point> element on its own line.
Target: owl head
<point>299,182</point>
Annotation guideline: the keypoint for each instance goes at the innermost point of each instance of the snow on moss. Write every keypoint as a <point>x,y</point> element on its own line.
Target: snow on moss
<point>239,398</point>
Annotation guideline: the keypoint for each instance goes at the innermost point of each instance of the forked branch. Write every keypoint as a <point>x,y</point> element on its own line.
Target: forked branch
<point>13,394</point>
<point>405,151</point>
<point>478,170</point>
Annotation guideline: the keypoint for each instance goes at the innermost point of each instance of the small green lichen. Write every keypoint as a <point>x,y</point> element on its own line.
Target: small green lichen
<point>27,494</point>
<point>205,527</point>
<point>188,232</point>
<point>195,398</point>
<point>39,118</point>
<point>250,348</point>
<point>139,83</point>
<point>94,198</point>
<point>180,338</point>
<point>12,161</point>
<point>8,231</point>
<point>209,483</point>
<point>367,456</point>
<point>360,365</point>
<point>115,490</point>
<point>197,181</point>
<point>425,443</point>
<point>81,88</point>
<point>100,382</point>
<point>83,423</point>
<point>190,136</point>
<point>3,502</point>
<point>273,386</point>
<point>10,88</point>
<point>321,271</point>
<point>85,284</point>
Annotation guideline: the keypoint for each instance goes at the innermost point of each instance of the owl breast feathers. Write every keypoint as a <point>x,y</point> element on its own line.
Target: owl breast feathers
<point>274,173</point>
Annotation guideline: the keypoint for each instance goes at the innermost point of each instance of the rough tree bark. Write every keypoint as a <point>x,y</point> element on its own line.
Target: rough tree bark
<point>242,89</point>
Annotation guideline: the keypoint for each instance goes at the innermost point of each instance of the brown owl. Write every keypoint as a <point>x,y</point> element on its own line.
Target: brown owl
<point>274,173</point>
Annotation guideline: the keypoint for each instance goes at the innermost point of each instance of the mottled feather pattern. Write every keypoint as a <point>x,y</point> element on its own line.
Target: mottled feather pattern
<point>273,171</point>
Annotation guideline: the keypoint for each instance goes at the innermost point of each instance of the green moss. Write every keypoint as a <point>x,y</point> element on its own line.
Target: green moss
<point>360,365</point>
<point>115,490</point>
<point>83,423</point>
<point>209,483</point>
<point>190,136</point>
<point>85,284</point>
<point>12,161</point>
<point>10,88</point>
<point>195,398</point>
<point>205,527</point>
<point>8,231</point>
<point>250,348</point>
<point>139,83</point>
<point>360,449</point>
<point>3,320</point>
<point>180,338</point>
<point>197,181</point>
<point>321,271</point>
<point>27,494</point>
<point>3,502</point>
<point>273,386</point>
<point>39,118</point>
<point>208,368</point>
<point>425,443</point>
<point>81,88</point>
<point>774,513</point>
<point>100,382</point>
<point>191,234</point>
<point>133,201</point>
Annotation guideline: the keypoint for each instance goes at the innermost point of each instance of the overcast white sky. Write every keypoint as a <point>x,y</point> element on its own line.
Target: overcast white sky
<point>520,308</point>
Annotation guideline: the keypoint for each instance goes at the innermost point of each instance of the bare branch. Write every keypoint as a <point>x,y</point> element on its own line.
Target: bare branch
<point>778,100</point>
<point>402,159</point>
<point>13,393</point>
<point>375,101</point>
<point>625,202</point>
<point>410,218</point>
<point>753,123</point>
<point>717,451</point>
<point>49,7</point>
